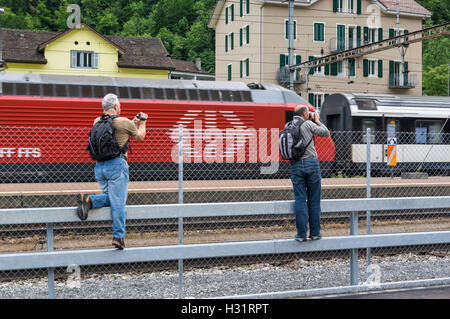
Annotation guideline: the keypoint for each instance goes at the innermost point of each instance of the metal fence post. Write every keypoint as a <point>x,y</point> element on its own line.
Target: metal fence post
<point>368,175</point>
<point>180,201</point>
<point>51,271</point>
<point>353,252</point>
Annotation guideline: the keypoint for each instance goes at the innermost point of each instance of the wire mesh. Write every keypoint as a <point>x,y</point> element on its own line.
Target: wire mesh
<point>48,167</point>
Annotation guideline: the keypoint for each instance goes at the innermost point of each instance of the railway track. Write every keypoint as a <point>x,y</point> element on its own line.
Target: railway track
<point>226,222</point>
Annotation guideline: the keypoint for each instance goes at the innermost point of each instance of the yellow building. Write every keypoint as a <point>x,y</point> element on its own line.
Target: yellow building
<point>84,51</point>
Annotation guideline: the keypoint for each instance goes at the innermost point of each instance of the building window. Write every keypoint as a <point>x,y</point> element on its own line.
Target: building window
<point>319,32</point>
<point>244,35</point>
<point>286,29</point>
<point>244,7</point>
<point>245,68</point>
<point>351,8</point>
<point>340,5</point>
<point>340,37</point>
<point>229,14</point>
<point>229,42</point>
<point>340,68</point>
<point>84,60</point>
<point>372,68</point>
<point>316,100</point>
<point>352,37</point>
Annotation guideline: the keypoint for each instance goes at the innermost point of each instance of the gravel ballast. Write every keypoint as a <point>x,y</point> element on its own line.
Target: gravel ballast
<point>234,280</point>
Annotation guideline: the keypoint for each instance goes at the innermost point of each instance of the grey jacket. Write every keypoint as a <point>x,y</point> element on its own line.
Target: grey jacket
<point>309,129</point>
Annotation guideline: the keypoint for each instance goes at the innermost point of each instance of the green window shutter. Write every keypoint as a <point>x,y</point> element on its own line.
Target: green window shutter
<point>322,32</point>
<point>326,95</point>
<point>247,66</point>
<point>358,7</point>
<point>226,15</point>
<point>333,70</point>
<point>229,72</point>
<point>248,6</point>
<point>407,38</point>
<point>316,33</point>
<point>282,60</point>
<point>358,36</point>
<point>311,70</point>
<point>341,37</point>
<point>365,68</point>
<point>327,69</point>
<point>286,31</point>
<point>295,30</point>
<point>247,34</point>
<point>232,40</point>
<point>241,62</point>
<point>335,5</point>
<point>380,34</point>
<point>391,72</point>
<point>380,68</point>
<point>226,43</point>
<point>241,13</point>
<point>240,37</point>
<point>366,35</point>
<point>311,98</point>
<point>232,12</point>
<point>405,74</point>
<point>391,33</point>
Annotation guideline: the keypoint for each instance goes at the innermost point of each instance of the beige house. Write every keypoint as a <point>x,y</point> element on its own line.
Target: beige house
<point>252,44</point>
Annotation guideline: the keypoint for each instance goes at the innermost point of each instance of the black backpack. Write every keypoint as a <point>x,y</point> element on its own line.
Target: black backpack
<point>291,142</point>
<point>102,142</point>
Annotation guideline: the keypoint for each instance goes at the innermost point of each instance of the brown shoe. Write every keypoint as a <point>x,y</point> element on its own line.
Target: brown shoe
<point>119,243</point>
<point>84,205</point>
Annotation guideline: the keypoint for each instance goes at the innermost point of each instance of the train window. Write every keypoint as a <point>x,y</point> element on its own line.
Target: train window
<point>73,91</point>
<point>366,104</point>
<point>204,96</point>
<point>8,88</point>
<point>193,95</point>
<point>61,90</point>
<point>181,93</point>
<point>170,94</point>
<point>147,93</point>
<point>135,93</point>
<point>99,91</point>
<point>86,91</point>
<point>159,94</point>
<point>215,95</point>
<point>365,124</point>
<point>427,132</point>
<point>227,96</point>
<point>247,96</point>
<point>21,89</point>
<point>35,89</point>
<point>123,93</point>
<point>392,128</point>
<point>48,89</point>
<point>238,96</point>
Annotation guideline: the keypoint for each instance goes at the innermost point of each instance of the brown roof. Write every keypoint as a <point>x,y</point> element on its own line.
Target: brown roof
<point>187,66</point>
<point>22,46</point>
<point>407,6</point>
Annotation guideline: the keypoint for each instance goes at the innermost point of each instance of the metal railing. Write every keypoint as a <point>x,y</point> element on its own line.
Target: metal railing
<point>63,258</point>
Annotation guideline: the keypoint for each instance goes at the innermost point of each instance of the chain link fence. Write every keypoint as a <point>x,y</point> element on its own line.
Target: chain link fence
<point>48,167</point>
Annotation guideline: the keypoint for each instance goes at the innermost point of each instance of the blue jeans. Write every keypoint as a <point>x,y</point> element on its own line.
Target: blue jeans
<point>306,179</point>
<point>113,177</point>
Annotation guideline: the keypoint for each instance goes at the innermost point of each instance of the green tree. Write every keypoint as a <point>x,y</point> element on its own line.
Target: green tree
<point>435,81</point>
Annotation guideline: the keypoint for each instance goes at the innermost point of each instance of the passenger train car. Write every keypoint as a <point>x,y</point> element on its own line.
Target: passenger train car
<point>231,129</point>
<point>418,126</point>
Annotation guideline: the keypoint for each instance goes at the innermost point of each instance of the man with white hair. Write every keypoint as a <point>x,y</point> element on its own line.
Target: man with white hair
<point>112,174</point>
